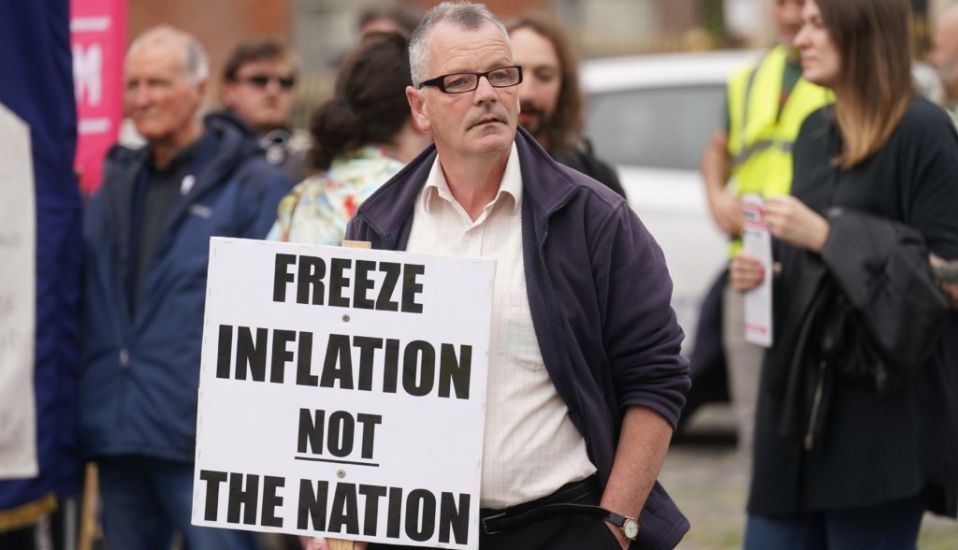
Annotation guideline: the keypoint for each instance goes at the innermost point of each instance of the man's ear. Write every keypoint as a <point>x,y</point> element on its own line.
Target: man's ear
<point>201,88</point>
<point>417,106</point>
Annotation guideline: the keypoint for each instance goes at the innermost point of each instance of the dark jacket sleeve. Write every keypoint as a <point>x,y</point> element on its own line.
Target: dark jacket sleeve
<point>642,337</point>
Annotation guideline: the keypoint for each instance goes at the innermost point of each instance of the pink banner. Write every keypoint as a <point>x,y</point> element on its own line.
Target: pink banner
<point>98,29</point>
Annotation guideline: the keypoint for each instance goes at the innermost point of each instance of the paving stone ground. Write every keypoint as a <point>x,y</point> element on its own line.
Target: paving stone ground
<point>708,479</point>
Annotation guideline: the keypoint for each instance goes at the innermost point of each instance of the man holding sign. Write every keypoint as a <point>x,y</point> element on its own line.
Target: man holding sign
<point>585,380</point>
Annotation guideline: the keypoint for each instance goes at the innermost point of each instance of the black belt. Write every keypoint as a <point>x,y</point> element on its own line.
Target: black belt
<point>567,500</point>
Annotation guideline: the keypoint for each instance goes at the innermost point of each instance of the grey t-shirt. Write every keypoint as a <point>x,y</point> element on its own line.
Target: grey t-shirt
<point>163,187</point>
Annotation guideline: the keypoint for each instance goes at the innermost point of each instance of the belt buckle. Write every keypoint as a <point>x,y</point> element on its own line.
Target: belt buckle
<point>485,526</point>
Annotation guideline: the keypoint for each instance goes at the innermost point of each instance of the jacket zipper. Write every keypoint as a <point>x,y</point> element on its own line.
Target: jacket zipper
<point>546,296</point>
<point>556,319</point>
<point>124,325</point>
<point>816,407</point>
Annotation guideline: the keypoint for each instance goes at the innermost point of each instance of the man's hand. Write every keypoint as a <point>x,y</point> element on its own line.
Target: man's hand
<point>726,210</point>
<point>791,221</point>
<point>313,543</point>
<point>319,543</point>
<point>716,166</point>
<point>643,442</point>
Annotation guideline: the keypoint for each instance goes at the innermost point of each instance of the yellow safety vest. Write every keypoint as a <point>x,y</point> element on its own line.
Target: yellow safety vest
<point>761,137</point>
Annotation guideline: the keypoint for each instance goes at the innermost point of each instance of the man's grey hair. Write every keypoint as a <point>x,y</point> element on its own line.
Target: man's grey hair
<point>466,15</point>
<point>196,63</point>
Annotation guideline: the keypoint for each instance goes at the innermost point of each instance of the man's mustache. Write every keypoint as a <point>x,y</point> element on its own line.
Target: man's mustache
<point>491,114</point>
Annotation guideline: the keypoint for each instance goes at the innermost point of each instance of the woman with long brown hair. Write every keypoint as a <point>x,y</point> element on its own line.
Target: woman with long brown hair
<point>857,422</point>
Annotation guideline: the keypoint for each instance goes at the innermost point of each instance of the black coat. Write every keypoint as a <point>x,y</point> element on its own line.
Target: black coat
<point>859,398</point>
<point>585,161</point>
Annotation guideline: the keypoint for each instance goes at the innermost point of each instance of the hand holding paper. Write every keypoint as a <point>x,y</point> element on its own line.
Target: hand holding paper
<point>745,272</point>
<point>753,269</point>
<point>789,220</point>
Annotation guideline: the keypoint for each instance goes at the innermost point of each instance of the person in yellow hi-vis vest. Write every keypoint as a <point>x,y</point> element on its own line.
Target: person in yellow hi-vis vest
<point>767,102</point>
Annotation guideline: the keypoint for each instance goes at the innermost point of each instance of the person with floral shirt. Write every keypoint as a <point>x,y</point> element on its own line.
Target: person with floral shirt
<point>362,137</point>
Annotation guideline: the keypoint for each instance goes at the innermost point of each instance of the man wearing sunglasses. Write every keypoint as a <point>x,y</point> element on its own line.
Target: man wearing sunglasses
<point>258,84</point>
<point>585,380</point>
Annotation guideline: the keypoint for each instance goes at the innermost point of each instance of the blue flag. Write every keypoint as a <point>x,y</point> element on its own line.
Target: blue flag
<point>36,95</point>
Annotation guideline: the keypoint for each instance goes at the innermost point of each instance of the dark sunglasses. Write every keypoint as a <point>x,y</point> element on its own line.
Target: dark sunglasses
<point>262,81</point>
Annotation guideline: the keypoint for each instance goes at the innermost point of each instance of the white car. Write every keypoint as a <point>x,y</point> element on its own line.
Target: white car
<point>651,116</point>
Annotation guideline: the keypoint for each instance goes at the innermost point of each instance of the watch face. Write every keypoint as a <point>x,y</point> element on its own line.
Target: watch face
<point>631,528</point>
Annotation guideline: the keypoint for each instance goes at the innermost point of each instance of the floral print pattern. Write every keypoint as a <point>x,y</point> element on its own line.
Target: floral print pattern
<point>317,210</point>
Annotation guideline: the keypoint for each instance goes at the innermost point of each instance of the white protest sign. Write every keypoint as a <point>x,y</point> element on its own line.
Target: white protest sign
<point>18,424</point>
<point>342,393</point>
<point>757,242</point>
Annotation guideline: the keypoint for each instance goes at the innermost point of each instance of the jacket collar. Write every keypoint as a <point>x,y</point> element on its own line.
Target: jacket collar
<point>233,142</point>
<point>229,144</point>
<point>546,186</point>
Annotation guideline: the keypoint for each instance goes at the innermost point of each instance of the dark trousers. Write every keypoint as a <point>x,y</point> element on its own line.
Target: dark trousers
<point>559,533</point>
<point>556,532</point>
<point>890,526</point>
<point>146,500</point>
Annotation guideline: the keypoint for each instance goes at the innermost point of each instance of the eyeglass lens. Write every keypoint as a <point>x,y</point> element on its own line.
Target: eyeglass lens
<point>498,78</point>
<point>262,81</point>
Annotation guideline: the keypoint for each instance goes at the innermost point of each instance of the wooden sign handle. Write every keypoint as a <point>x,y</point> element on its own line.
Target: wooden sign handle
<point>339,544</point>
<point>365,245</point>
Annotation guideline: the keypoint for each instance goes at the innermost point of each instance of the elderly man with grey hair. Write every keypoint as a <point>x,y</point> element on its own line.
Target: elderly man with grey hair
<point>147,233</point>
<point>585,379</point>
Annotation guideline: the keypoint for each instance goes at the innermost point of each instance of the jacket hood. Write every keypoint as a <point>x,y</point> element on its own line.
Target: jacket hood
<point>227,121</point>
<point>234,143</point>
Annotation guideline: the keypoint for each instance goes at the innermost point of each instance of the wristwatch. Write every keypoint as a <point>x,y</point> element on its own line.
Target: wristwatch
<point>628,526</point>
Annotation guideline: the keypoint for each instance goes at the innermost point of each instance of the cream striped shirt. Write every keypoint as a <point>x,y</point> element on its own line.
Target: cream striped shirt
<point>531,446</point>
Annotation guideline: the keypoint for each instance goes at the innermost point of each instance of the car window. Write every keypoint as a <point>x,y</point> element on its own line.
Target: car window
<point>655,127</point>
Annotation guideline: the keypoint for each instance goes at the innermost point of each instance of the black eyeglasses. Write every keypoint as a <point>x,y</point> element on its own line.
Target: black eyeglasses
<point>263,80</point>
<point>460,83</point>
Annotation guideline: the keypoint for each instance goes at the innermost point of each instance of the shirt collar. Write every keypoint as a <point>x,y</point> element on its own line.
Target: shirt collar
<point>183,158</point>
<point>510,185</point>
